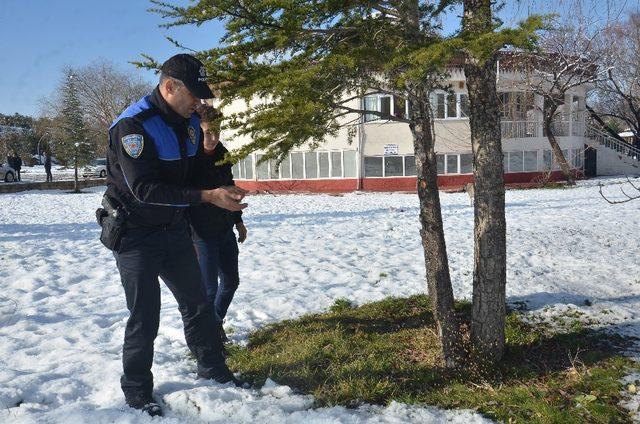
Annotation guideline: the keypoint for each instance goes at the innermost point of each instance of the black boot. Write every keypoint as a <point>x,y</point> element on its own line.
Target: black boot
<point>146,404</point>
<point>222,374</point>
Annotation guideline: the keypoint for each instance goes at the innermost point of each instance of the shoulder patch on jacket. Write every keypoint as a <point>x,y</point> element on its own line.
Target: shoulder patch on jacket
<point>133,144</point>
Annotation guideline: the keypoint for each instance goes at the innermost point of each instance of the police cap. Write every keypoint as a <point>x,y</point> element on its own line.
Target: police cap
<point>191,72</point>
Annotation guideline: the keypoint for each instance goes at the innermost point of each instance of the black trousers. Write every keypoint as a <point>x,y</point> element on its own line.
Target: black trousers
<point>144,255</point>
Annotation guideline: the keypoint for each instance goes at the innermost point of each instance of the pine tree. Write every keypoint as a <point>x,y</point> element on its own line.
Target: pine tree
<point>309,63</point>
<point>72,136</point>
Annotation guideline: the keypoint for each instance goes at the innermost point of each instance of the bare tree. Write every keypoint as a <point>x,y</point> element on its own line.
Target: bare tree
<point>618,96</point>
<point>104,92</point>
<point>569,58</point>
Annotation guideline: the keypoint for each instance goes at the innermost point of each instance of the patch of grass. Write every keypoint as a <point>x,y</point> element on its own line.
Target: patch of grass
<point>341,305</point>
<point>389,350</point>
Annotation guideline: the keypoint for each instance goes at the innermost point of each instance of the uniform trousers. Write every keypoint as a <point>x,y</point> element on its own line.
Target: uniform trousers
<point>146,253</point>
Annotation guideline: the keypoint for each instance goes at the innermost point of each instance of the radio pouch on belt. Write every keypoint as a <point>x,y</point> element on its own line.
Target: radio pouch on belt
<point>112,220</point>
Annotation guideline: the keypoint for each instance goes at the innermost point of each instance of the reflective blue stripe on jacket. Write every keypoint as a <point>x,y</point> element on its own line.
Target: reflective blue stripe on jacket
<point>162,134</point>
<point>153,183</point>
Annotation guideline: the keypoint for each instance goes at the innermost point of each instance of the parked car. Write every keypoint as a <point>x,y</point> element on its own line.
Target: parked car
<point>97,168</point>
<point>7,173</point>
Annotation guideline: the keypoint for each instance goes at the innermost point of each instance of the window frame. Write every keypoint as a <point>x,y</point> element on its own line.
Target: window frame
<point>392,107</point>
<point>458,101</point>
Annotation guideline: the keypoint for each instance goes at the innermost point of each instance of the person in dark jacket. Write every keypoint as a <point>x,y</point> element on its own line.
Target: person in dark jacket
<point>211,226</point>
<point>11,160</point>
<point>47,166</point>
<point>17,160</point>
<point>152,152</point>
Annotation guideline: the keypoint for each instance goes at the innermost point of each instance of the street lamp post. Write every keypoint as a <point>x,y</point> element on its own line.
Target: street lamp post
<point>38,148</point>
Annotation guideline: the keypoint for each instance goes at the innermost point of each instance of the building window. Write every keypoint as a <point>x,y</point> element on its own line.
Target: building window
<point>336,164</point>
<point>450,105</point>
<point>235,170</point>
<point>439,108</point>
<point>311,164</point>
<point>517,106</point>
<point>547,159</point>
<point>440,164</point>
<point>373,166</point>
<point>410,166</point>
<point>297,166</point>
<point>576,156</point>
<point>387,104</point>
<point>393,166</point>
<point>516,162</point>
<point>399,107</point>
<point>273,169</point>
<point>248,167</point>
<point>262,168</point>
<point>452,164</point>
<point>522,161</point>
<point>531,161</point>
<point>466,163</point>
<point>285,167</point>
<point>350,164</point>
<point>370,103</point>
<point>464,105</point>
<point>323,161</point>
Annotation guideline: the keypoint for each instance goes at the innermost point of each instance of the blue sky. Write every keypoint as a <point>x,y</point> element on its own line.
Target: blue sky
<point>40,37</point>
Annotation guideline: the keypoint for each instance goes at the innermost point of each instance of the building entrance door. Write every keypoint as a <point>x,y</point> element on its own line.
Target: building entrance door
<point>590,162</point>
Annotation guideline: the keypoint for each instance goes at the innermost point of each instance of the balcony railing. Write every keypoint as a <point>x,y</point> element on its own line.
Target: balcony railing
<point>622,147</point>
<point>527,129</point>
<point>577,129</point>
<point>559,129</point>
<point>520,129</point>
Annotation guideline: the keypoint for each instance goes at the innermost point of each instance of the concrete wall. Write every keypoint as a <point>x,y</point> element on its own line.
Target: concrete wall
<point>610,162</point>
<point>56,185</point>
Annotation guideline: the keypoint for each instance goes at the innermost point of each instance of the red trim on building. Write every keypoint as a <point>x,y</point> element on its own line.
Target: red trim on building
<point>314,186</point>
<point>445,182</point>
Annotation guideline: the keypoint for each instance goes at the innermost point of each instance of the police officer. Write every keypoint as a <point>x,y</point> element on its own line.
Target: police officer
<point>152,148</point>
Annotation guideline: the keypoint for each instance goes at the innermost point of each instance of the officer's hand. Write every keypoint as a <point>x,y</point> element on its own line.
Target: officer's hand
<point>242,232</point>
<point>226,197</point>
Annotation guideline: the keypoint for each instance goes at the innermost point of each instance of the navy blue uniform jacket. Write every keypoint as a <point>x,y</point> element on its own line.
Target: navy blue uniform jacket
<point>152,152</point>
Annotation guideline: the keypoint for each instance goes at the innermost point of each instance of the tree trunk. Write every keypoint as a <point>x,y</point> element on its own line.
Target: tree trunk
<point>75,179</point>
<point>490,257</point>
<point>432,234</point>
<point>557,152</point>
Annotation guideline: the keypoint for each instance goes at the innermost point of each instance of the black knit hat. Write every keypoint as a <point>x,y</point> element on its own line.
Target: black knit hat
<point>191,72</point>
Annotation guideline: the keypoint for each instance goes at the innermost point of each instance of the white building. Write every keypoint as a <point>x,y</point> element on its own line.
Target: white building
<point>381,158</point>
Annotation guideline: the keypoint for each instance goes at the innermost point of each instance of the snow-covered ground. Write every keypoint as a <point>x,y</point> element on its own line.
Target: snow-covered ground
<point>62,309</point>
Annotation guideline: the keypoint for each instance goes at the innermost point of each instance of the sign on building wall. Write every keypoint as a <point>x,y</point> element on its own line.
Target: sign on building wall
<point>390,149</point>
